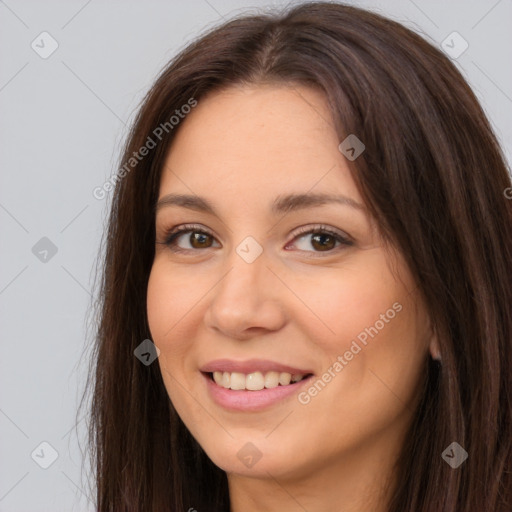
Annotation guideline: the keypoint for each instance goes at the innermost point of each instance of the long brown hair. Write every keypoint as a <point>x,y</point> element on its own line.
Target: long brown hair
<point>432,175</point>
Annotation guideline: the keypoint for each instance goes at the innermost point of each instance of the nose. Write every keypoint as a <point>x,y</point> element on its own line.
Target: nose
<point>247,301</point>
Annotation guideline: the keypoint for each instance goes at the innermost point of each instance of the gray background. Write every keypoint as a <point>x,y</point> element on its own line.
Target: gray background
<point>62,121</point>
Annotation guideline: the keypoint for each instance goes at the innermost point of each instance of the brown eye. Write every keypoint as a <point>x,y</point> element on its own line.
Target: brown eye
<point>199,240</point>
<point>323,241</point>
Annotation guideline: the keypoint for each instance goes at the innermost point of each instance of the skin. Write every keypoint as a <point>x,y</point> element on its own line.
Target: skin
<point>296,303</point>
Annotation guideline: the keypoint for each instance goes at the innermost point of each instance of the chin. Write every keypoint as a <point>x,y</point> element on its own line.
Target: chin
<point>253,456</point>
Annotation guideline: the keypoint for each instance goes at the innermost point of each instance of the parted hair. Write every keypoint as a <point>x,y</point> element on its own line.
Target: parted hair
<point>434,178</point>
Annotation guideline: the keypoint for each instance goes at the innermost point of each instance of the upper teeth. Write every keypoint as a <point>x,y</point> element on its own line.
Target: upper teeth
<point>254,381</point>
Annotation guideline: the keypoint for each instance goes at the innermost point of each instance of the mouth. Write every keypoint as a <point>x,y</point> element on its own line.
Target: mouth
<point>255,381</point>
<point>252,385</point>
<point>246,393</point>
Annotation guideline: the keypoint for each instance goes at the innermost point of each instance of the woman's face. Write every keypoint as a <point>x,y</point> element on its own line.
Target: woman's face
<point>269,280</point>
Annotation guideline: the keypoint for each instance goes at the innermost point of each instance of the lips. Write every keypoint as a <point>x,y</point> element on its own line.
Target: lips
<point>252,397</point>
<point>251,366</point>
<point>243,400</point>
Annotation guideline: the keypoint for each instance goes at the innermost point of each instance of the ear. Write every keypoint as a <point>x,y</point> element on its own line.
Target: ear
<point>434,349</point>
<point>432,339</point>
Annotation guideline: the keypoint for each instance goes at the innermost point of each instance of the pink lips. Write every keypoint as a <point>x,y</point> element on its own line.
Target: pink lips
<point>245,400</point>
<point>250,366</point>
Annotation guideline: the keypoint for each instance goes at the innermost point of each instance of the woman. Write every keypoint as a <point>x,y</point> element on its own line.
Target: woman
<point>311,231</point>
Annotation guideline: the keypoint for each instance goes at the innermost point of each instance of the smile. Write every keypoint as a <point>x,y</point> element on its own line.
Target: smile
<point>255,381</point>
<point>246,400</point>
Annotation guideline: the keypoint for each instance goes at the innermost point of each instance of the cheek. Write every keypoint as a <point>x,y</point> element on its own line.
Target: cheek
<point>367,316</point>
<point>344,302</point>
<point>169,301</point>
<point>369,319</point>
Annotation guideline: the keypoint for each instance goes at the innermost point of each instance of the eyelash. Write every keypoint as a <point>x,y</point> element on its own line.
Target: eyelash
<point>173,234</point>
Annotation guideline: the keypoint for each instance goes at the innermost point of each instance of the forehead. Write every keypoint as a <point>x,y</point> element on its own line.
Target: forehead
<point>258,140</point>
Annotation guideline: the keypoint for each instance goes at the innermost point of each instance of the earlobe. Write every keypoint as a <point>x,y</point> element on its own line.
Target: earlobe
<point>433,341</point>
<point>435,352</point>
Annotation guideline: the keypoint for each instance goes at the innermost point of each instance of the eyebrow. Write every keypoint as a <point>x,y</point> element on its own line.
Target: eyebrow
<point>282,204</point>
